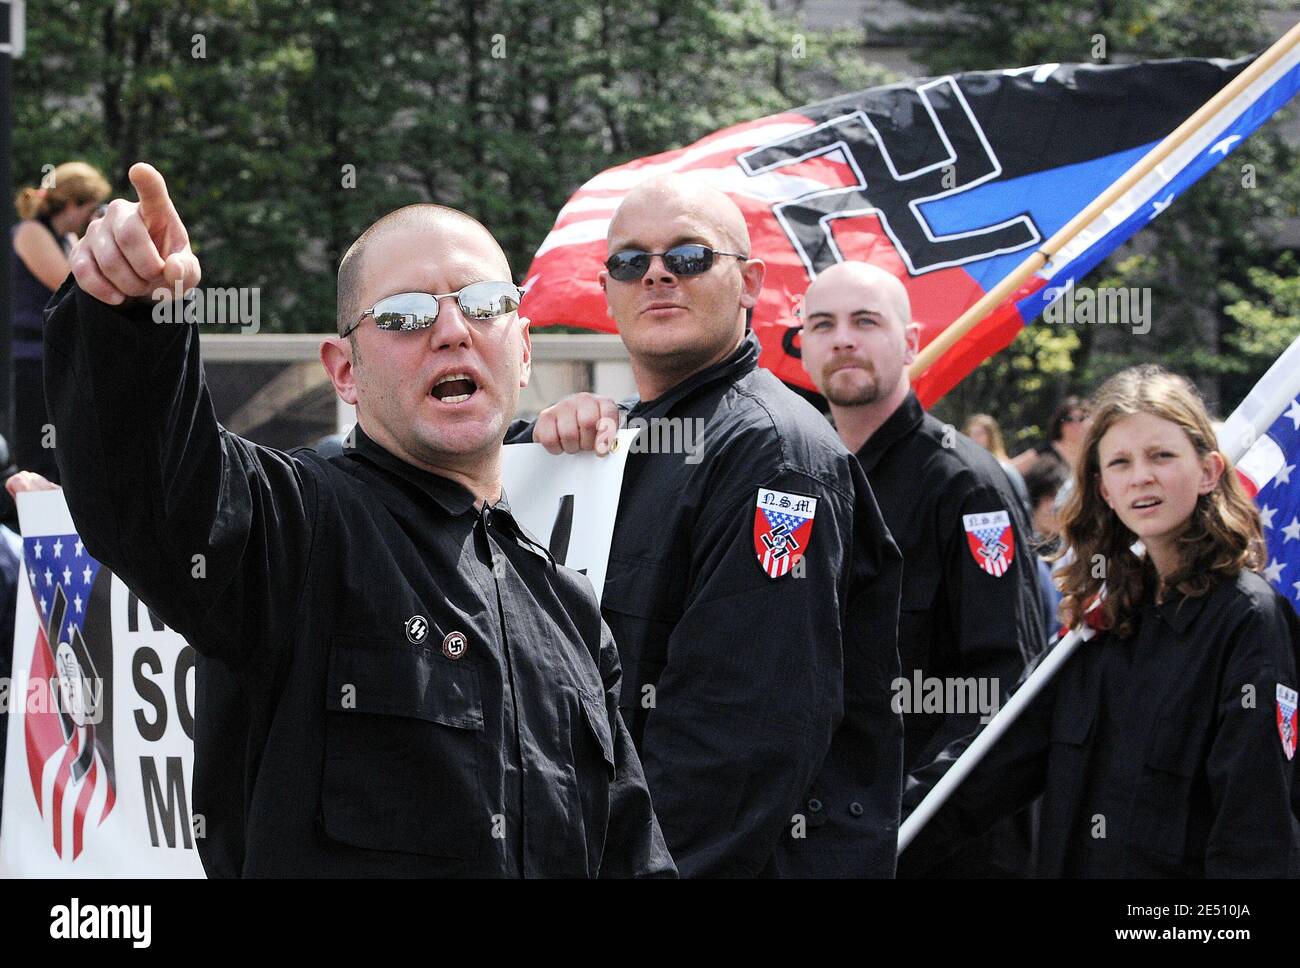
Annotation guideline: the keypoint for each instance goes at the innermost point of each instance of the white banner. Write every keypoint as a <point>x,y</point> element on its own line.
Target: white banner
<point>568,502</point>
<point>100,749</point>
<point>100,754</point>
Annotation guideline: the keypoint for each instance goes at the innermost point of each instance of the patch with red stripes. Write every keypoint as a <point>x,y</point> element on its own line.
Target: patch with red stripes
<point>991,541</point>
<point>783,526</point>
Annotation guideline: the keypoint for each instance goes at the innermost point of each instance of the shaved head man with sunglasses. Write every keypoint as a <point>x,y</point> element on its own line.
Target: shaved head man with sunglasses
<point>440,404</point>
<point>752,585</point>
<point>394,679</point>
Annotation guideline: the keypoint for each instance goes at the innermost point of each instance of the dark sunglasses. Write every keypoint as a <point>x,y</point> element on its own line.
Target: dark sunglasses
<point>419,310</point>
<point>681,260</point>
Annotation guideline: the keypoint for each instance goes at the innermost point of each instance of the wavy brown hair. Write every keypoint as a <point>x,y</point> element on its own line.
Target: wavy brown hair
<point>1222,536</point>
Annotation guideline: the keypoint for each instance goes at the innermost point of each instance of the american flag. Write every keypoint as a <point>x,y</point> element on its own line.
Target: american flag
<point>993,551</point>
<point>68,718</point>
<point>1269,472</point>
<point>780,540</point>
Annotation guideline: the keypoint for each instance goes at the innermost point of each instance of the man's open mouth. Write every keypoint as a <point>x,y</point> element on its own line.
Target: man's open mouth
<point>454,388</point>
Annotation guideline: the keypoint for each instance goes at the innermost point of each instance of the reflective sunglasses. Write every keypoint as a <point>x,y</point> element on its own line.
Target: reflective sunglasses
<point>681,260</point>
<point>418,310</point>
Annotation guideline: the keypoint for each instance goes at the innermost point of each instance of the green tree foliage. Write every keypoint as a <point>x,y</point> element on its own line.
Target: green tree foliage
<point>1267,312</point>
<point>285,128</point>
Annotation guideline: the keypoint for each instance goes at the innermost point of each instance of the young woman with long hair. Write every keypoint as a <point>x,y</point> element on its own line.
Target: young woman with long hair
<point>1165,746</point>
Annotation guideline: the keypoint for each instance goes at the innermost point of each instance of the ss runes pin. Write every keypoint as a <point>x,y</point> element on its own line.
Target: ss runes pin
<point>417,629</point>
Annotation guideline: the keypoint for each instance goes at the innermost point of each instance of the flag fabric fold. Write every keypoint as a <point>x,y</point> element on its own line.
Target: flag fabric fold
<point>948,182</point>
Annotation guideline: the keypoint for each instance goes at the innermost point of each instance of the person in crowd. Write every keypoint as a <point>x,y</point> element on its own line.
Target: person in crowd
<point>984,430</point>
<point>424,691</point>
<point>1165,746</point>
<point>970,606</point>
<point>1065,433</point>
<point>52,219</point>
<point>752,586</point>
<point>1043,481</point>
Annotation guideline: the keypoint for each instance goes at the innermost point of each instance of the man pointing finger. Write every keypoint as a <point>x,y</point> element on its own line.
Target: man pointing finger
<point>136,248</point>
<point>421,691</point>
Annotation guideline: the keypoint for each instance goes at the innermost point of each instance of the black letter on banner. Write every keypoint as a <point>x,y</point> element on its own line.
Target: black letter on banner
<point>787,342</point>
<point>133,614</point>
<point>562,532</point>
<point>184,663</point>
<point>150,693</point>
<point>173,806</point>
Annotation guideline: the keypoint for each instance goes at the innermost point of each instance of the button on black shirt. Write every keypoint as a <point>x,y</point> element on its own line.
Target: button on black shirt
<point>326,593</point>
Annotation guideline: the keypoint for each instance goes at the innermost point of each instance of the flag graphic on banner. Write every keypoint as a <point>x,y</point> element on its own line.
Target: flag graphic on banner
<point>69,722</point>
<point>948,182</point>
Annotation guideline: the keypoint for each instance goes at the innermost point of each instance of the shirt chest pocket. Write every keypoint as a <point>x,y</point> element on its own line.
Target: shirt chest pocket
<point>917,619</point>
<point>1070,732</point>
<point>1162,807</point>
<point>403,738</point>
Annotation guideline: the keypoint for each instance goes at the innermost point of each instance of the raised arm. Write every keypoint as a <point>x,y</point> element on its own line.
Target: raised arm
<point>209,529</point>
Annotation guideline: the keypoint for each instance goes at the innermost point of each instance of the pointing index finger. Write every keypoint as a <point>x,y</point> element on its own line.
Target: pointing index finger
<point>155,203</point>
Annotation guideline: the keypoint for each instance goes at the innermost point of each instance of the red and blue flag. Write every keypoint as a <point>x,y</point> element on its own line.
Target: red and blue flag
<point>68,721</point>
<point>948,182</point>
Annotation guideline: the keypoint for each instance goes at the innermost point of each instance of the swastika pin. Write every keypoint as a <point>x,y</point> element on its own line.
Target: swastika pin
<point>454,645</point>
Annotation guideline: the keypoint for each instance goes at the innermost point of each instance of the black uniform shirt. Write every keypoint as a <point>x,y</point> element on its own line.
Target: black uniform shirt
<point>760,704</point>
<point>426,692</point>
<point>1168,743</point>
<point>958,619</point>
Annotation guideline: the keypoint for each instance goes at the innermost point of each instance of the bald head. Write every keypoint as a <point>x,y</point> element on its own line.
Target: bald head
<point>676,192</point>
<point>869,284</point>
<point>437,395</point>
<point>675,325</point>
<point>405,221</point>
<point>858,337</point>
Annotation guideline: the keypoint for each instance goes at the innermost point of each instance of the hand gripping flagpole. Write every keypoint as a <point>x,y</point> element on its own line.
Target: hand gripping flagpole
<point>992,299</point>
<point>1263,405</point>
